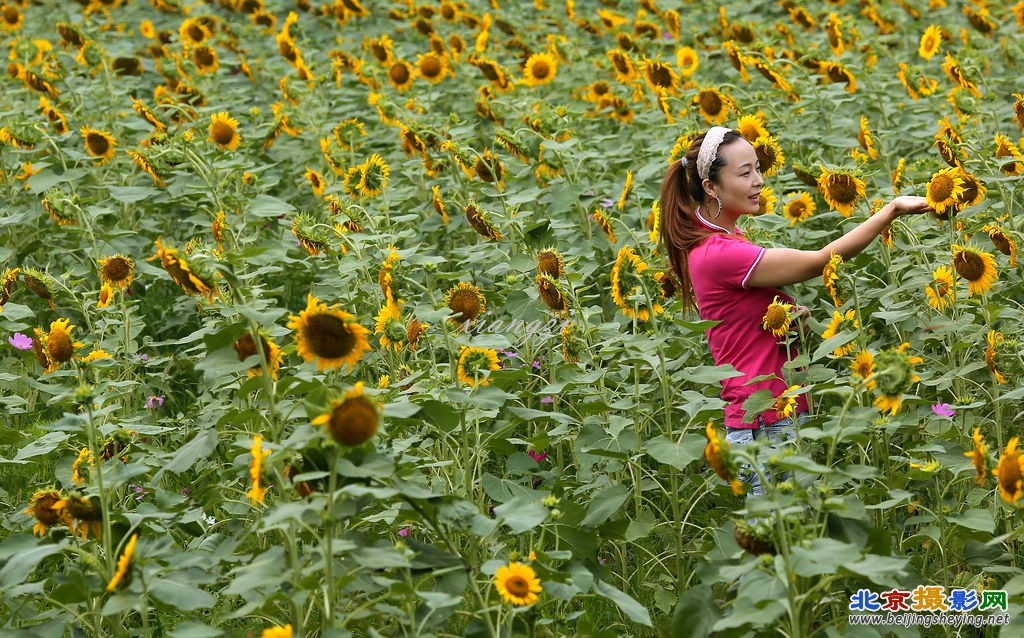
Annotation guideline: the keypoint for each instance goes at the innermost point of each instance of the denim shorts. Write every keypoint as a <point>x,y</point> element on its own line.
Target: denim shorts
<point>775,433</point>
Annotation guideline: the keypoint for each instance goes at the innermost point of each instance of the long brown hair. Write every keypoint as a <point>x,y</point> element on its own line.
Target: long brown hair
<point>681,194</point>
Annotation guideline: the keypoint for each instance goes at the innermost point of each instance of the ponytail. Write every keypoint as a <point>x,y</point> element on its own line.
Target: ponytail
<point>681,194</point>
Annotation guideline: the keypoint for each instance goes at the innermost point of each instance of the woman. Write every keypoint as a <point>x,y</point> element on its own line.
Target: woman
<point>733,281</point>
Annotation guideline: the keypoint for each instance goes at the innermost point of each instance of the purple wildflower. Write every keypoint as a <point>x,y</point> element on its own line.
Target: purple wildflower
<point>536,365</point>
<point>139,492</point>
<point>943,409</point>
<point>508,353</point>
<point>403,532</point>
<point>154,402</point>
<point>607,202</point>
<point>547,399</point>
<point>20,341</point>
<point>537,456</point>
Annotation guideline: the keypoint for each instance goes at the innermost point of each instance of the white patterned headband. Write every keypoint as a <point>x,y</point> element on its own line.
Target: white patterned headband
<point>709,149</point>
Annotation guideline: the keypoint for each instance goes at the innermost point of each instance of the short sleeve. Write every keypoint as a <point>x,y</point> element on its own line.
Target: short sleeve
<point>730,261</point>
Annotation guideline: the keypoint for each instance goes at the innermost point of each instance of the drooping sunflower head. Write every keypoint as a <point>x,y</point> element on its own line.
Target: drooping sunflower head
<point>39,282</point>
<point>10,277</point>
<point>626,281</point>
<point>973,190</point>
<point>466,301</point>
<point>1002,240</point>
<point>863,367</point>
<point>841,322</point>
<point>389,325</point>
<point>330,336</point>
<point>414,331</point>
<point>81,514</point>
<point>352,420</point>
<point>43,509</point>
<point>480,222</point>
<point>517,584</point>
<point>117,271</point>
<point>980,458</point>
<point>1010,472</point>
<point>188,274</point>
<point>551,293</point>
<point>224,131</point>
<point>625,72</point>
<point>312,236</point>
<point>572,342</point>
<point>841,188</point>
<point>833,278</point>
<point>942,291</point>
<point>718,456</point>
<point>769,154</point>
<point>976,266</point>
<point>99,144</point>
<point>373,176</point>
<point>245,347</point>
<point>897,175</point>
<point>550,262</point>
<point>777,319</point>
<point>488,167</point>
<point>476,364</point>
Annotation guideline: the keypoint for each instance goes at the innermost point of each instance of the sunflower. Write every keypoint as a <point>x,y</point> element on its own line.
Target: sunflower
<point>777,319</point>
<point>930,42</point>
<point>193,31</point>
<point>974,190</point>
<point>1018,109</point>
<point>7,282</point>
<point>751,127</point>
<point>737,59</point>
<point>331,336</point>
<point>1002,242</point>
<point>836,72</point>
<point>550,262</point>
<point>625,280</point>
<point>863,367</point>
<point>956,74</point>
<point>181,271</point>
<point>123,563</point>
<point>865,139</point>
<point>400,74</point>
<point>625,71</point>
<point>10,17</point>
<point>205,59</point>
<point>625,190</point>
<point>60,348</point>
<point>718,456</point>
<point>895,375</point>
<point>224,131</point>
<point>81,515</point>
<point>76,468</point>
<point>980,19</point>
<point>769,154</point>
<point>39,350</point>
<point>106,296</point>
<point>117,271</point>
<point>995,340</point>
<point>492,71</point>
<point>99,143</point>
<point>1009,471</point>
<point>489,168</point>
<point>714,105</point>
<point>414,332</point>
<point>842,189</point>
<point>481,224</point>
<point>572,342</point>
<point>800,16</point>
<point>944,188</point>
<point>831,277</point>
<point>799,207</point>
<point>466,302</point>
<point>977,267</point>
<point>245,347</point>
<point>43,509</point>
<point>257,492</point>
<point>942,291</point>
<point>980,458</point>
<point>839,323</point>
<point>897,175</point>
<point>786,402</point>
<point>39,283</point>
<point>687,61</point>
<point>605,224</point>
<point>476,364</point>
<point>551,294</point>
<point>352,420</point>
<point>540,68</point>
<point>653,223</point>
<point>388,324</point>
<point>316,181</point>
<point>517,584</point>
<point>432,67</point>
<point>373,176</point>
<point>660,76</point>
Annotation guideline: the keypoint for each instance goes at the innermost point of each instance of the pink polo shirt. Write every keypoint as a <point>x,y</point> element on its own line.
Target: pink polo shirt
<point>720,267</point>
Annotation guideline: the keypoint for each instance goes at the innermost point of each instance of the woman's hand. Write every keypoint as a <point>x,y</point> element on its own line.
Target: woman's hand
<point>909,205</point>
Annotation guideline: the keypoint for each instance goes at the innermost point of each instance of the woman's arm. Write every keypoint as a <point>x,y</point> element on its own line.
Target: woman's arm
<point>784,266</point>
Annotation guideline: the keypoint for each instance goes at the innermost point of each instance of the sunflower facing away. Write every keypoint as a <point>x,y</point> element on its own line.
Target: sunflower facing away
<point>894,376</point>
<point>518,584</point>
<point>839,323</point>
<point>476,364</point>
<point>996,341</point>
<point>718,457</point>
<point>257,492</point>
<point>1002,241</point>
<point>777,319</point>
<point>43,509</point>
<point>388,324</point>
<point>551,294</point>
<point>99,143</point>
<point>330,336</point>
<point>224,131</point>
<point>353,419</point>
<point>1009,472</point>
<point>863,367</point>
<point>841,189</point>
<point>980,457</point>
<point>245,347</point>
<point>977,267</point>
<point>123,563</point>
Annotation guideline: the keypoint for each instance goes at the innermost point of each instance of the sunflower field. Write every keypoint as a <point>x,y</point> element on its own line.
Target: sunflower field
<point>353,318</point>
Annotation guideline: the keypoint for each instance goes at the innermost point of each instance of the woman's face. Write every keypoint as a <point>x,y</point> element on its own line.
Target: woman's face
<point>739,181</point>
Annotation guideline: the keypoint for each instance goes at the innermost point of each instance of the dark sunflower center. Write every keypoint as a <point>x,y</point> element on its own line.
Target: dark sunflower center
<point>1001,242</point>
<point>551,296</point>
<point>797,208</point>
<point>222,132</point>
<point>1009,476</point>
<point>431,67</point>
<point>547,264</point>
<point>843,189</point>
<point>36,286</point>
<point>98,144</point>
<point>59,346</point>
<point>620,63</point>
<point>710,103</point>
<point>245,346</point>
<point>659,76</point>
<point>541,69</point>
<point>43,509</point>
<point>969,265</point>
<point>448,11</point>
<point>776,317</point>
<point>204,56</point>
<point>116,269</point>
<point>353,422</point>
<point>398,73</point>
<point>329,337</point>
<point>195,33</point>
<point>517,586</point>
<point>466,305</point>
<point>11,15</point>
<point>970,191</point>
<point>379,51</point>
<point>940,188</point>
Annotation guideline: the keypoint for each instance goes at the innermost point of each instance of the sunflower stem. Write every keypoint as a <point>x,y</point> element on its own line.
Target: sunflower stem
<point>90,429</point>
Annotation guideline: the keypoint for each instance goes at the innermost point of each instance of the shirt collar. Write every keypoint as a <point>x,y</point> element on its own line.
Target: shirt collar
<point>715,226</point>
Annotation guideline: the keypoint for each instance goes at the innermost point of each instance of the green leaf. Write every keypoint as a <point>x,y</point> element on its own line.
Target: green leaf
<point>710,374</point>
<point>604,504</point>
<point>201,445</point>
<point>695,613</point>
<point>179,595</point>
<point>267,206</point>
<point>25,553</point>
<point>522,513</point>
<point>626,603</point>
<point>192,629</point>
<point>830,344</point>
<point>43,445</point>
<point>977,520</point>
<point>131,194</point>
<point>677,454</point>
<point>756,403</point>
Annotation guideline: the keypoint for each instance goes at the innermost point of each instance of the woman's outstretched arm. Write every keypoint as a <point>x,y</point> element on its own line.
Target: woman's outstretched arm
<point>784,266</point>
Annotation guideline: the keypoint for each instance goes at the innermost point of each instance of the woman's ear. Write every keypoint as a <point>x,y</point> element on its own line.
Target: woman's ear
<point>709,187</point>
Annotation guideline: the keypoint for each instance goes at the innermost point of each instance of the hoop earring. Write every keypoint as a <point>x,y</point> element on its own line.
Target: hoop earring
<point>719,208</point>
